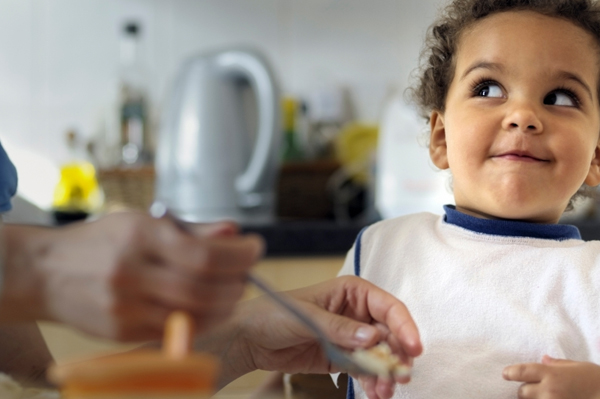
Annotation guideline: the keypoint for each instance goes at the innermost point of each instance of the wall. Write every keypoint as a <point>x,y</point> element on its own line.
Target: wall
<point>58,58</point>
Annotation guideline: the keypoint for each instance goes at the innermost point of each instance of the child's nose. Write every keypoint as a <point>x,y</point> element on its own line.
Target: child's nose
<point>522,118</point>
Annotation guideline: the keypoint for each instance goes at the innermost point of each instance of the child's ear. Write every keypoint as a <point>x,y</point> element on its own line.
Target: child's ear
<point>438,150</point>
<point>593,177</point>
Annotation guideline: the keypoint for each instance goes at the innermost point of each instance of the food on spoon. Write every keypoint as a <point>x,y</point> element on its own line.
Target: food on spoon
<point>380,360</point>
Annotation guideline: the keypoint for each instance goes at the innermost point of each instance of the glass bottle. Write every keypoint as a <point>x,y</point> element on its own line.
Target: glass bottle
<point>133,107</point>
<point>292,150</point>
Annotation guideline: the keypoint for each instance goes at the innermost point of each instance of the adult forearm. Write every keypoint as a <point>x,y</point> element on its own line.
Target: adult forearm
<point>24,353</point>
<point>226,342</point>
<point>20,295</point>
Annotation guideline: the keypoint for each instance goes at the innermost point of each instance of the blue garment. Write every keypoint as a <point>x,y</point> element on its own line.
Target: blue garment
<point>8,181</point>
<point>510,228</point>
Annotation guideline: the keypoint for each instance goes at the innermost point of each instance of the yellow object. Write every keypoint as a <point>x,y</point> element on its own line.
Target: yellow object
<point>354,147</point>
<point>289,106</point>
<point>78,188</point>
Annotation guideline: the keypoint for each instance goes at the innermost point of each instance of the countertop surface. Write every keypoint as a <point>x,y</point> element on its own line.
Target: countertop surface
<point>589,229</point>
<point>307,238</point>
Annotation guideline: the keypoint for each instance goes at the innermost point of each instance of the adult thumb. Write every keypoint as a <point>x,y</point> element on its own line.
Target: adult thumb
<point>345,331</point>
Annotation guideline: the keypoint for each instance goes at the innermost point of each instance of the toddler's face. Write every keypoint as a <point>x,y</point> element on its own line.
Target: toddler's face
<point>522,121</point>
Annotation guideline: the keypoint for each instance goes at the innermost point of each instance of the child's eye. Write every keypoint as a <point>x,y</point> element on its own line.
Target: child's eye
<point>488,89</point>
<point>561,98</point>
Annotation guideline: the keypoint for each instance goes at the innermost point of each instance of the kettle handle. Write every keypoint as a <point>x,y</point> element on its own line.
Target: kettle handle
<point>255,69</point>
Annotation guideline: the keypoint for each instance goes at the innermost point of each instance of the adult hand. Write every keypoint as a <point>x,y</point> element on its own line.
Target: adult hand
<point>556,379</point>
<point>351,311</point>
<point>119,277</point>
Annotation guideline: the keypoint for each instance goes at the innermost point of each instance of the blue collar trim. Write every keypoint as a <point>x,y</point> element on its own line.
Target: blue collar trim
<point>510,228</point>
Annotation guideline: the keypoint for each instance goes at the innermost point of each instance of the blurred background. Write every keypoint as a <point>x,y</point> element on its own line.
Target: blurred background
<point>338,64</point>
<point>287,116</point>
<point>59,64</point>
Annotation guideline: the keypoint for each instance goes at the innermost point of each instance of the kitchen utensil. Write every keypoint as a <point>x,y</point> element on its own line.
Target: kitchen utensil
<point>219,143</point>
<point>174,372</point>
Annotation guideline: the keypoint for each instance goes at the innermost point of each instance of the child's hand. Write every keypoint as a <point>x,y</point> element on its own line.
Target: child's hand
<point>555,378</point>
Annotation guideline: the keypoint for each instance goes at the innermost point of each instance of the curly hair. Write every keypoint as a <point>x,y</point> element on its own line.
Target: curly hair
<point>438,57</point>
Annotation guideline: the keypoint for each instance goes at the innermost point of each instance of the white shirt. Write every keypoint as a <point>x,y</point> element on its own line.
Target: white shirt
<point>484,301</point>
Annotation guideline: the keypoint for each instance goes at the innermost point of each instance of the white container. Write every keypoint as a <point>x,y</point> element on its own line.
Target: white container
<point>406,179</point>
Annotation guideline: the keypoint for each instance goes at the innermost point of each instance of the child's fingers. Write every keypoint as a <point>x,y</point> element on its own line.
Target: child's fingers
<point>525,372</point>
<point>550,361</point>
<point>528,391</point>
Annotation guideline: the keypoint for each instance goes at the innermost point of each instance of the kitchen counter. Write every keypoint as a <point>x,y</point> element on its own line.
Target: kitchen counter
<point>307,238</point>
<point>589,229</point>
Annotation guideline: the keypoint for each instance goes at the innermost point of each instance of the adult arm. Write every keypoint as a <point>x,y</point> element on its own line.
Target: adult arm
<point>24,354</point>
<point>120,276</point>
<point>353,313</point>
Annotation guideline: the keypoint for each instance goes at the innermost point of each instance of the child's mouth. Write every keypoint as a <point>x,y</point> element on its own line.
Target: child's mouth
<point>521,156</point>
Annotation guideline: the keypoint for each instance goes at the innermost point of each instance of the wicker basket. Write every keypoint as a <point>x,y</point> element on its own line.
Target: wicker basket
<point>302,191</point>
<point>128,188</point>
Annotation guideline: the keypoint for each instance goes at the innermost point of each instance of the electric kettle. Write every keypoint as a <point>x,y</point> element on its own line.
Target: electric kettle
<point>219,140</point>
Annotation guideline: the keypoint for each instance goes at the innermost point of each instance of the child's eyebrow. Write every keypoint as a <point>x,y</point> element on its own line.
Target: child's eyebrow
<point>494,66</point>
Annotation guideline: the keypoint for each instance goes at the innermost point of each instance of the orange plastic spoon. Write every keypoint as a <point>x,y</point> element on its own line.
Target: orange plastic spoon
<point>174,372</point>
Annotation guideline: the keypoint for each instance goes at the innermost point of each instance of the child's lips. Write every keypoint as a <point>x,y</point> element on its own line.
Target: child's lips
<point>520,156</point>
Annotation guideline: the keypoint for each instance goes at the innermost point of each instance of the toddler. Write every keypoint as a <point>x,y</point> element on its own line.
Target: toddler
<point>507,300</point>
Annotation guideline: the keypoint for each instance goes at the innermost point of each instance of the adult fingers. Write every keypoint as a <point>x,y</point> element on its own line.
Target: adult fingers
<point>397,349</point>
<point>387,309</point>
<point>344,331</point>
<point>525,372</point>
<point>236,254</point>
<point>394,343</point>
<point>377,388</point>
<point>219,229</point>
<point>200,296</point>
<point>351,334</point>
<point>384,388</point>
<point>135,320</point>
<point>167,244</point>
<point>368,385</point>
